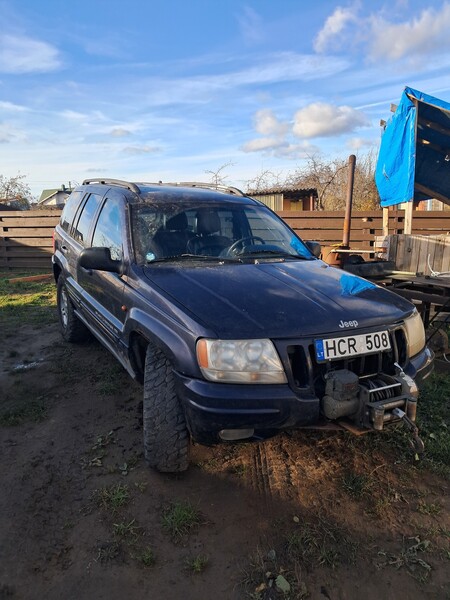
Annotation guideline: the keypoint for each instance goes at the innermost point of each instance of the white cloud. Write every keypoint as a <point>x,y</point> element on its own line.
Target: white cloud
<point>23,54</point>
<point>9,134</point>
<point>385,38</point>
<point>268,69</point>
<point>279,148</point>
<point>137,150</point>
<point>423,35</point>
<point>73,115</point>
<point>320,119</point>
<point>334,28</point>
<point>266,123</point>
<point>263,144</point>
<point>9,106</point>
<point>250,24</point>
<point>357,143</point>
<point>119,132</point>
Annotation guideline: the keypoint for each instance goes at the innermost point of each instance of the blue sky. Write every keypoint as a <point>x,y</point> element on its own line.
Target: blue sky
<point>169,89</point>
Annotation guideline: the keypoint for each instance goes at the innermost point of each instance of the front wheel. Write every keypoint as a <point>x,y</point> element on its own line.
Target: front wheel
<point>166,437</point>
<point>72,329</point>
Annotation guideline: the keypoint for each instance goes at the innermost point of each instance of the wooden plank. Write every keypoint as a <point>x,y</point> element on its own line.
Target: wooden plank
<point>445,265</point>
<point>400,256</point>
<point>32,241</point>
<point>20,232</point>
<point>31,278</point>
<point>25,252</point>
<point>30,214</point>
<point>36,222</point>
<point>436,263</point>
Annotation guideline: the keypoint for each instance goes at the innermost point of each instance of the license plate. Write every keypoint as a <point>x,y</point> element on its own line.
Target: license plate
<point>352,345</point>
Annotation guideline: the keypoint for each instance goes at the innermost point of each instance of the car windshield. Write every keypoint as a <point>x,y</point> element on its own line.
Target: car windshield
<point>170,230</point>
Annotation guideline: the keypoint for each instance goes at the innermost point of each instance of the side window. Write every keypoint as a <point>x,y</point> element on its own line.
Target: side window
<point>108,231</point>
<point>87,214</point>
<point>70,209</point>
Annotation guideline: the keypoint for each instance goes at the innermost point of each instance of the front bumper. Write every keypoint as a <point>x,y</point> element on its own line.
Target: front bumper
<point>421,366</point>
<point>211,407</point>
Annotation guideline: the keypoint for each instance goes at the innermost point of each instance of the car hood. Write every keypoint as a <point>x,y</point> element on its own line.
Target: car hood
<point>276,299</point>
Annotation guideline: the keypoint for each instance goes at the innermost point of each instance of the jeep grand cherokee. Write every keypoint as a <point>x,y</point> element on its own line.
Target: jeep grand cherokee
<point>235,327</point>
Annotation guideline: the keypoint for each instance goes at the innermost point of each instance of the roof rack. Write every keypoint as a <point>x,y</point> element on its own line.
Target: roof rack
<point>198,184</point>
<point>210,186</point>
<point>131,186</point>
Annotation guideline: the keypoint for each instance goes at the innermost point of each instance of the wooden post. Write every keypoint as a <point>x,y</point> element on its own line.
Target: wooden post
<point>385,221</point>
<point>408,217</point>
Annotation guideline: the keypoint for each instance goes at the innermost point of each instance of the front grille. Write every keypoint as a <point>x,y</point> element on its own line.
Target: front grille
<point>306,371</point>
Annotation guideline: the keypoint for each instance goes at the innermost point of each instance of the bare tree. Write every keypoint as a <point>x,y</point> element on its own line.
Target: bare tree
<point>264,180</point>
<point>15,192</point>
<point>330,180</point>
<point>218,177</point>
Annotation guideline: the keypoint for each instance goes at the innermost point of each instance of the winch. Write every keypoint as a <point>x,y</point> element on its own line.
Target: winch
<point>373,401</point>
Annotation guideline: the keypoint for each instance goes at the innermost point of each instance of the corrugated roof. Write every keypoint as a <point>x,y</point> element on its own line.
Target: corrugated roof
<point>306,192</point>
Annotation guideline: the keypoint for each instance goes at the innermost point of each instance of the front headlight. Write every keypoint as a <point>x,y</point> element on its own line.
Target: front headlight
<point>240,361</point>
<point>415,333</point>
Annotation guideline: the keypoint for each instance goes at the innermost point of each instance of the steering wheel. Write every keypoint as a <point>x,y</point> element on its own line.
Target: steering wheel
<point>250,239</point>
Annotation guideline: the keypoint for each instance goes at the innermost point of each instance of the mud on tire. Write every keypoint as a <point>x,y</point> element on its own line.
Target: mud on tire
<point>166,438</point>
<point>72,329</point>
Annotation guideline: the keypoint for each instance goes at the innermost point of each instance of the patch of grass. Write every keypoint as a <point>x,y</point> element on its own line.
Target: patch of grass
<point>126,529</point>
<point>113,497</point>
<point>432,508</point>
<point>433,423</point>
<point>320,543</point>
<point>239,470</point>
<point>409,558</point>
<point>34,411</point>
<point>180,518</point>
<point>29,302</point>
<point>109,380</point>
<point>356,485</point>
<point>107,552</point>
<point>146,556</point>
<point>197,564</point>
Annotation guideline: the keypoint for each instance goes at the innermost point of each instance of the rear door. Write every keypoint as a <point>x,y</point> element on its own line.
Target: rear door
<point>103,291</point>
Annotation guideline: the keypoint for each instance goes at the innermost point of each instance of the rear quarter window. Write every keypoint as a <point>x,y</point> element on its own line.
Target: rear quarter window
<point>70,209</point>
<point>86,219</point>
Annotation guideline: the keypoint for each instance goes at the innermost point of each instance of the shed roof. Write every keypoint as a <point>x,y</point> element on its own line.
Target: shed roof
<point>287,191</point>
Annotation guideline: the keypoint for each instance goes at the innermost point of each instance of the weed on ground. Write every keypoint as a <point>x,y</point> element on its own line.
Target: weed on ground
<point>180,518</point>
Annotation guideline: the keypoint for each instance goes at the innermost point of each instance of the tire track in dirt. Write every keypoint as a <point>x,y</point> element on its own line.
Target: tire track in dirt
<point>273,473</point>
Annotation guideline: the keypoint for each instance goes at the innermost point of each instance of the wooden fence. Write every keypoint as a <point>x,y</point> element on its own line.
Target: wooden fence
<point>423,254</point>
<point>26,239</point>
<point>26,236</point>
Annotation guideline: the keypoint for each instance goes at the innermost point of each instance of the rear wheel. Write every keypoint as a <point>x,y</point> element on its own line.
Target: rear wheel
<point>166,437</point>
<point>72,329</point>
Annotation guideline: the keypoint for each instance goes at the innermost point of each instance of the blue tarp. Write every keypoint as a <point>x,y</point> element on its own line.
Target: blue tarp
<point>413,163</point>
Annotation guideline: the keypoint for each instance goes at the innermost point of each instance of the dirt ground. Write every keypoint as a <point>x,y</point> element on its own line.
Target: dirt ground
<point>81,516</point>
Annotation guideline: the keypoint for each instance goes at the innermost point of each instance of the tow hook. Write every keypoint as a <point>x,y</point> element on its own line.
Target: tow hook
<point>416,443</point>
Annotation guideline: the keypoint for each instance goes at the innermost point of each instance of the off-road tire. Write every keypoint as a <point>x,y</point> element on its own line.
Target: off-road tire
<point>72,329</point>
<point>166,437</point>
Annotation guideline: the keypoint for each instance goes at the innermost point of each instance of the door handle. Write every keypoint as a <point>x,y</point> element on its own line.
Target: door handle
<point>64,249</point>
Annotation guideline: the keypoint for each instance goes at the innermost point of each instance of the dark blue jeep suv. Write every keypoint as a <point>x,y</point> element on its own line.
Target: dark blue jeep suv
<point>235,327</point>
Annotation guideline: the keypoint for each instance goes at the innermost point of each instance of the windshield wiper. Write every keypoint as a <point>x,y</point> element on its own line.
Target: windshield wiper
<point>201,257</point>
<point>273,253</point>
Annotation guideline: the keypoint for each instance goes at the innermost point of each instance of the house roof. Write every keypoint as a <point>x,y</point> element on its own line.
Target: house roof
<point>46,194</point>
<point>287,191</point>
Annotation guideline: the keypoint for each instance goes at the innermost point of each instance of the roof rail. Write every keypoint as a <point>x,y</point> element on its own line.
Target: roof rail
<point>211,186</point>
<point>131,186</point>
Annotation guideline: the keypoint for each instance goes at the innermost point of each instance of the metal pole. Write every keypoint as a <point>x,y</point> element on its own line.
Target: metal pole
<point>349,200</point>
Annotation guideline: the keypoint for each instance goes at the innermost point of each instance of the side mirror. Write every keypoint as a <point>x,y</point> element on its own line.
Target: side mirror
<point>315,248</point>
<point>99,259</point>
